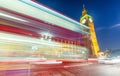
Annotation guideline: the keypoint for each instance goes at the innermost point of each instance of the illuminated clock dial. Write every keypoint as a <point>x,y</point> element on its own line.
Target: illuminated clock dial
<point>90,19</point>
<point>83,21</point>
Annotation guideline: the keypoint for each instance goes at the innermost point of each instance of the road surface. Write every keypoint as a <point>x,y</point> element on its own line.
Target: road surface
<point>83,69</point>
<point>63,69</point>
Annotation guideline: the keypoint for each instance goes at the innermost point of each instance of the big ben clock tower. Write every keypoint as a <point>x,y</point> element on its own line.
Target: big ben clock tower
<point>87,20</point>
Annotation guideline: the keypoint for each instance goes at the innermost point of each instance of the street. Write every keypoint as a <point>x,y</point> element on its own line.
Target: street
<point>78,69</point>
<point>61,69</point>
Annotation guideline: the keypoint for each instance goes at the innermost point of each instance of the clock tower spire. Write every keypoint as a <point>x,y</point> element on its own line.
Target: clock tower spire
<point>87,20</point>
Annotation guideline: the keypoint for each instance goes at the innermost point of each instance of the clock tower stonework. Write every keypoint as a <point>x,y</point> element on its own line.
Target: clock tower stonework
<point>87,20</point>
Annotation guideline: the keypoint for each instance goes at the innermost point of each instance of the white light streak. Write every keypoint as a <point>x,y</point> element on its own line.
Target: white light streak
<point>28,41</point>
<point>12,17</point>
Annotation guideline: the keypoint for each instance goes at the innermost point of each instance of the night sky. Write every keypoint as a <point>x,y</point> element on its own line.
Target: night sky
<point>106,15</point>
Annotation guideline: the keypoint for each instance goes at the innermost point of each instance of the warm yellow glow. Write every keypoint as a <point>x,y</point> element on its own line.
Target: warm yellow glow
<point>90,24</point>
<point>94,39</point>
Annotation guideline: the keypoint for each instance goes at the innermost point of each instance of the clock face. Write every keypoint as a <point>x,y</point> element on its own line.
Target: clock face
<point>83,21</point>
<point>90,20</point>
